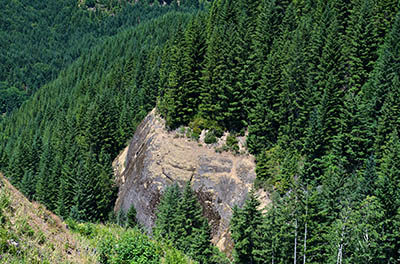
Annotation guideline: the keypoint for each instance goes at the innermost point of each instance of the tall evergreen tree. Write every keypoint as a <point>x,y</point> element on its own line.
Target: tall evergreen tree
<point>244,225</point>
<point>193,228</point>
<point>388,194</point>
<point>167,214</point>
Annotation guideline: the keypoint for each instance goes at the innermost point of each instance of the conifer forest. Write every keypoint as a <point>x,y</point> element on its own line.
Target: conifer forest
<point>313,85</point>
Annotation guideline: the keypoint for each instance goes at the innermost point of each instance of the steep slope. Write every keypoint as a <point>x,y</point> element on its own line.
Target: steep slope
<point>31,234</point>
<point>77,124</point>
<point>156,158</point>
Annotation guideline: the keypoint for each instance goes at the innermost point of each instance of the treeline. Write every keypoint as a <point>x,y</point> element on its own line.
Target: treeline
<point>316,84</point>
<point>59,146</point>
<point>40,38</point>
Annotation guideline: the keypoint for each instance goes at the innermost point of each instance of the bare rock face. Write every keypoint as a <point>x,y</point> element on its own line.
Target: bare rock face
<point>156,158</point>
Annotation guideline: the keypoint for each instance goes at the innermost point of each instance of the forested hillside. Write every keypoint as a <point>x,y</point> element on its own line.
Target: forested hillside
<point>314,83</point>
<point>40,38</point>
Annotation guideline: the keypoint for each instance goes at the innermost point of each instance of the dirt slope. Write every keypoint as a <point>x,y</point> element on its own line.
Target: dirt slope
<point>31,234</point>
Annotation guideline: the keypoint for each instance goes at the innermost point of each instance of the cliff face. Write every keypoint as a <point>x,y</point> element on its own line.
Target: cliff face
<point>156,158</point>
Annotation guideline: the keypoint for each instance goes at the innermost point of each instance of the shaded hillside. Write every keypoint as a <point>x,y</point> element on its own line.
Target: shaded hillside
<point>39,39</point>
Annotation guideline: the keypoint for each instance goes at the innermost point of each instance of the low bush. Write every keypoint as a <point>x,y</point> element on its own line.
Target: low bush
<point>210,137</point>
<point>131,247</point>
<point>196,133</point>
<point>232,143</point>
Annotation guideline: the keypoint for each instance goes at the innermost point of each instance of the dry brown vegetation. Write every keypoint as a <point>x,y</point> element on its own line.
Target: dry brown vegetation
<point>32,234</point>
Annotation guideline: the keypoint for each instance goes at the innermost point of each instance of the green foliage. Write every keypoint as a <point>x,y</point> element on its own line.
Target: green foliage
<point>244,225</point>
<point>87,230</point>
<point>131,217</point>
<point>35,51</point>
<point>315,83</point>
<point>166,214</point>
<point>173,256</point>
<point>131,247</point>
<point>180,221</point>
<point>10,98</point>
<point>387,192</point>
<point>115,244</point>
<point>210,137</point>
<point>232,142</point>
<point>61,155</point>
<point>196,133</point>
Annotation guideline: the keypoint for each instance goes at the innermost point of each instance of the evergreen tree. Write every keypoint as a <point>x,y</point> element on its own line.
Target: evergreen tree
<point>28,184</point>
<point>244,225</point>
<point>45,188</point>
<point>131,217</point>
<point>194,231</point>
<point>388,194</point>
<point>361,49</point>
<point>180,220</point>
<point>167,214</point>
<point>84,208</point>
<point>382,85</point>
<point>313,149</point>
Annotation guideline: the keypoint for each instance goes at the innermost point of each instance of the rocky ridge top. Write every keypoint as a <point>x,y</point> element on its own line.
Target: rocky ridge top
<point>157,158</point>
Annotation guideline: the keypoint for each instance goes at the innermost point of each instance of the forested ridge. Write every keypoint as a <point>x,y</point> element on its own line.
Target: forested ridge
<point>40,38</point>
<point>314,84</point>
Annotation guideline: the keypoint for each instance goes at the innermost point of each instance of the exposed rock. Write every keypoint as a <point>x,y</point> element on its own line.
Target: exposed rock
<point>155,158</point>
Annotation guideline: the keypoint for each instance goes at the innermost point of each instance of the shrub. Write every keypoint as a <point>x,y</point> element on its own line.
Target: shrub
<point>132,247</point>
<point>87,230</point>
<point>189,132</point>
<point>182,130</point>
<point>231,140</point>
<point>72,224</point>
<point>173,256</point>
<point>210,137</point>
<point>232,143</point>
<point>196,133</point>
<point>198,123</point>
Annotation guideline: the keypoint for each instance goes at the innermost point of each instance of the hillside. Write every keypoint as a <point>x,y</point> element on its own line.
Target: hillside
<point>76,125</point>
<point>40,39</point>
<point>32,234</point>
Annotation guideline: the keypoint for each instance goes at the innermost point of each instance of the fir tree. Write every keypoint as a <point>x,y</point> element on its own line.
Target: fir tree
<point>388,194</point>
<point>131,217</point>
<point>244,225</point>
<point>167,214</point>
<point>193,228</point>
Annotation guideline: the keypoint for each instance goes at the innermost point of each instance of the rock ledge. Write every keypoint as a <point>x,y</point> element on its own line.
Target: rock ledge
<point>156,158</point>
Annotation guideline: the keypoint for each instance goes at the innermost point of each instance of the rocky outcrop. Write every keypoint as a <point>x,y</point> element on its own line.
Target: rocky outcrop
<point>156,158</point>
